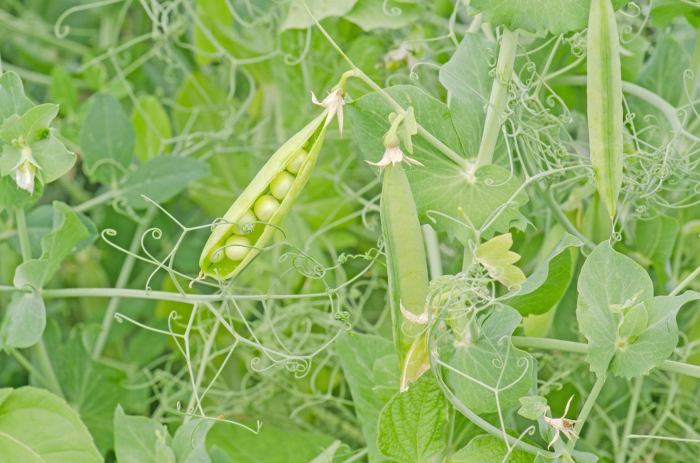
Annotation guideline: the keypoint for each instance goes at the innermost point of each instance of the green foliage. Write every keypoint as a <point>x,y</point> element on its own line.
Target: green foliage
<point>40,427</point>
<point>519,282</point>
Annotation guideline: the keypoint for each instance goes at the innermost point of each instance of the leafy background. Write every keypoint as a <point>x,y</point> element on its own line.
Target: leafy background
<point>148,118</point>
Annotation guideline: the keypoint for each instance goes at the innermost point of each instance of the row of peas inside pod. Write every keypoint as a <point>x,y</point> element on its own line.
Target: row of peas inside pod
<point>239,242</point>
<point>252,219</point>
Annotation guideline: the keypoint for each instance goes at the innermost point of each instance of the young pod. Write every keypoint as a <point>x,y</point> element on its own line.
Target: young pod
<point>408,272</point>
<point>261,206</point>
<point>604,98</point>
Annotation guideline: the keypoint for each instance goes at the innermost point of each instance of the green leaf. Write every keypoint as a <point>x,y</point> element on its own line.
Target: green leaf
<point>106,139</point>
<point>489,365</point>
<point>607,279</point>
<point>555,16</point>
<point>547,284</point>
<point>24,322</point>
<point>628,330</point>
<point>92,388</point>
<point>532,407</point>
<point>31,126</point>
<point>39,427</point>
<point>160,179</point>
<point>384,14</point>
<point>200,104</point>
<point>467,78</point>
<point>299,18</point>
<point>271,444</point>
<point>68,231</point>
<point>486,448</point>
<point>138,439</point>
<point>649,346</point>
<point>151,127</point>
<point>12,98</point>
<point>497,258</point>
<point>371,368</point>
<point>189,441</point>
<point>413,424</point>
<point>441,185</point>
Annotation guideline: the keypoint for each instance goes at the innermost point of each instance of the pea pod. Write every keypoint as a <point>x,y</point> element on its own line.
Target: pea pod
<point>604,97</point>
<point>251,221</point>
<point>408,272</point>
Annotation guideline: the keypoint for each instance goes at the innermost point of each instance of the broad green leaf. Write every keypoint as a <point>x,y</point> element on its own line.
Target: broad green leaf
<point>298,17</point>
<point>547,284</point>
<point>92,388</point>
<point>607,279</point>
<point>555,16</point>
<point>663,12</point>
<point>12,98</point>
<point>271,444</point>
<point>138,439</point>
<point>24,322</point>
<point>628,330</point>
<point>160,179</point>
<point>467,78</point>
<point>189,441</point>
<point>491,365</point>
<point>39,427</point>
<point>413,424</point>
<point>497,258</point>
<point>486,448</point>
<point>371,368</point>
<point>68,231</point>
<point>648,347</point>
<point>384,14</point>
<point>151,127</point>
<point>532,407</point>
<point>30,126</point>
<point>106,139</point>
<point>441,185</point>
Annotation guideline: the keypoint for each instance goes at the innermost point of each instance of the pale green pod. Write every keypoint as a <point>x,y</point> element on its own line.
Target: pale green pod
<point>604,97</point>
<point>407,270</point>
<point>309,138</point>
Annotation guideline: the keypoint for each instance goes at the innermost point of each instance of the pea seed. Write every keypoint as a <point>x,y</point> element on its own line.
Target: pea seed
<point>237,247</point>
<point>281,185</point>
<point>244,225</point>
<point>297,161</point>
<point>265,207</point>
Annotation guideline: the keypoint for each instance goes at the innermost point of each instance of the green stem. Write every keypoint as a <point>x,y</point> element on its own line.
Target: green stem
<point>580,348</point>
<point>432,248</point>
<point>41,355</point>
<point>629,421</point>
<point>498,98</point>
<point>683,284</point>
<point>586,410</point>
<point>23,235</point>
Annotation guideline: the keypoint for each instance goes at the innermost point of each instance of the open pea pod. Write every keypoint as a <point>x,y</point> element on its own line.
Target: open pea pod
<point>252,219</point>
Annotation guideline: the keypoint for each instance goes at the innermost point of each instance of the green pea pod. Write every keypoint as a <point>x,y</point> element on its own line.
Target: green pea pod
<point>604,96</point>
<point>408,272</point>
<point>251,221</point>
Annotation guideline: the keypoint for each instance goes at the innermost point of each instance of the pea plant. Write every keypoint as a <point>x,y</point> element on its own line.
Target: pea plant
<point>459,231</point>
